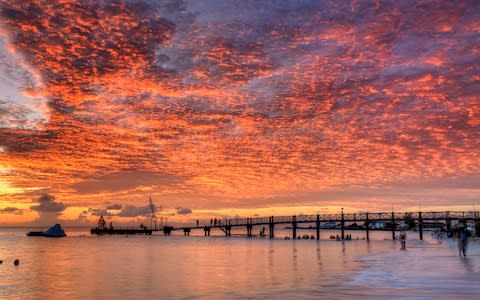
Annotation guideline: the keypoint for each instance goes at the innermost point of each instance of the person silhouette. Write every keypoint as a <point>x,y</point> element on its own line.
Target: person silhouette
<point>403,239</point>
<point>101,223</point>
<point>462,235</point>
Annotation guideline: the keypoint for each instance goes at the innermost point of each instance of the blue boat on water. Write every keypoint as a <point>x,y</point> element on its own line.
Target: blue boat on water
<point>54,231</point>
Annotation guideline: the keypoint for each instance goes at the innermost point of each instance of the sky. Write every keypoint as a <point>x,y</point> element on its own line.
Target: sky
<point>236,108</point>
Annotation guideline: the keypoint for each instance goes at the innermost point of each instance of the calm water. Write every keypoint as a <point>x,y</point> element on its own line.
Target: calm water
<point>82,266</point>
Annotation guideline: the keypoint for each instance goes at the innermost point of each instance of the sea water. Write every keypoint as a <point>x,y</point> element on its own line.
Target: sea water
<point>83,266</point>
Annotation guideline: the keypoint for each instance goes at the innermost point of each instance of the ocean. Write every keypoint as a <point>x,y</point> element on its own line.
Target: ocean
<point>82,266</point>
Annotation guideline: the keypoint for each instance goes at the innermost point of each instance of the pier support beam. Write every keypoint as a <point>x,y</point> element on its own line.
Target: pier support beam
<point>393,225</point>
<point>249,228</point>
<point>367,226</point>
<point>271,225</point>
<point>318,226</point>
<point>477,224</point>
<point>448,223</point>
<point>420,225</point>
<point>294,227</point>
<point>207,230</point>
<point>167,230</point>
<point>186,231</point>
<point>343,225</point>
<point>228,230</point>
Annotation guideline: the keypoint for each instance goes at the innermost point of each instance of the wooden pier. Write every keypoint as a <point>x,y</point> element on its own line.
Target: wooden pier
<point>343,221</point>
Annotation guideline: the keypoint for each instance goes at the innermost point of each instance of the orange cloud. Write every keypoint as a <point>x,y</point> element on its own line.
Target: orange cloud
<point>267,109</point>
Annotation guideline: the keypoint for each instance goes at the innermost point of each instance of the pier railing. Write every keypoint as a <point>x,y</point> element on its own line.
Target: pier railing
<point>352,217</point>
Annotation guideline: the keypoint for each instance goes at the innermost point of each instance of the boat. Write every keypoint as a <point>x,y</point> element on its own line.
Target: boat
<point>329,225</point>
<point>121,231</point>
<point>35,233</point>
<point>54,231</point>
<point>103,229</point>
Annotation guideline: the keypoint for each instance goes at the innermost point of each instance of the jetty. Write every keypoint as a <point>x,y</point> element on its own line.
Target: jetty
<point>366,221</point>
<point>361,221</point>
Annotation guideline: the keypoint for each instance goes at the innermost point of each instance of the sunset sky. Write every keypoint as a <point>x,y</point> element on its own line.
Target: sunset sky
<point>225,108</point>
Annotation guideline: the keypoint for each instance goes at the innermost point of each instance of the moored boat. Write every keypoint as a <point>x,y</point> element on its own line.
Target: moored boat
<point>54,231</point>
<point>35,233</point>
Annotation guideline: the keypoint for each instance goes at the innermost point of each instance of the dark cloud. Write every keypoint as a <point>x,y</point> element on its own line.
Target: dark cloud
<point>183,210</point>
<point>114,206</point>
<point>99,212</point>
<point>20,141</point>
<point>11,210</point>
<point>47,204</point>
<point>134,211</point>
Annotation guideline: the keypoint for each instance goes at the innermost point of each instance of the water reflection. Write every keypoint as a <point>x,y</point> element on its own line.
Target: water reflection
<point>469,264</point>
<point>319,255</point>
<point>218,267</point>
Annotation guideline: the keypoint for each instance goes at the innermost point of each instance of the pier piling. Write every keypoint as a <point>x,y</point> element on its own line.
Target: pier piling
<point>448,222</point>
<point>343,225</point>
<point>367,226</point>
<point>167,230</point>
<point>477,224</point>
<point>318,226</point>
<point>294,227</point>
<point>420,225</point>
<point>249,227</point>
<point>271,225</point>
<point>207,230</point>
<point>228,230</point>
<point>393,225</point>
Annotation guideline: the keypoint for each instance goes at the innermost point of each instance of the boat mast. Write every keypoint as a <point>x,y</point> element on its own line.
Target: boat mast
<point>153,220</point>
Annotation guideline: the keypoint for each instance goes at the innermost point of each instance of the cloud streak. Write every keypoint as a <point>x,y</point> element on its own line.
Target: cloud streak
<point>183,210</point>
<point>11,210</point>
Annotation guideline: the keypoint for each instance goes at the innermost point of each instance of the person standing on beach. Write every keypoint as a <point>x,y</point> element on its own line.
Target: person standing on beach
<point>403,239</point>
<point>462,236</point>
